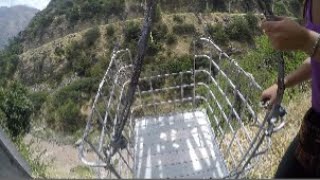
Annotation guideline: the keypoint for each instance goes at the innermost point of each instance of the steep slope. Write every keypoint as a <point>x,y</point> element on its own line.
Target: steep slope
<point>64,17</point>
<point>13,20</point>
<point>63,68</point>
<point>70,67</point>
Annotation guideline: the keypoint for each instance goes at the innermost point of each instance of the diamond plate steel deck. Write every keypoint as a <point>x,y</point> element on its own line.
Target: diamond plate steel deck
<point>178,145</point>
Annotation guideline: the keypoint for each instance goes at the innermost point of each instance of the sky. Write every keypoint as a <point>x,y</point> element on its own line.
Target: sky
<point>39,4</point>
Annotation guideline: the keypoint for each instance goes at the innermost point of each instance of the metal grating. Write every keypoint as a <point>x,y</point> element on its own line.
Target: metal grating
<point>178,145</point>
<point>216,85</point>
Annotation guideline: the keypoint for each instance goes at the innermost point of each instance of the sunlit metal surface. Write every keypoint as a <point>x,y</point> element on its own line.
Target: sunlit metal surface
<point>178,145</point>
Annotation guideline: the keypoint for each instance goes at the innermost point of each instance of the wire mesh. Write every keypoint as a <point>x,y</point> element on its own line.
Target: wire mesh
<point>216,85</point>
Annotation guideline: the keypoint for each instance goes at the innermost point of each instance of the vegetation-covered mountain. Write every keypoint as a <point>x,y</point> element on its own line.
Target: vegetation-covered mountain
<point>50,72</point>
<point>13,20</point>
<point>64,17</point>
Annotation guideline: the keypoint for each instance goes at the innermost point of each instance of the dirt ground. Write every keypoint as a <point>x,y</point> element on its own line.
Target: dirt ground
<point>63,160</point>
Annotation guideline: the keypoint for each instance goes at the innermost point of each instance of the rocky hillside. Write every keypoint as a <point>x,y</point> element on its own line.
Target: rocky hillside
<point>64,51</point>
<point>13,20</point>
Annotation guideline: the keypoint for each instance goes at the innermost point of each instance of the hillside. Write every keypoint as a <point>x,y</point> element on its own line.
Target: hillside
<point>61,18</point>
<point>50,72</point>
<point>13,20</point>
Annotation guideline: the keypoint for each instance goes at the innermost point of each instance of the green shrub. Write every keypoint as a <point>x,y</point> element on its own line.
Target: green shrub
<point>9,60</point>
<point>39,23</point>
<point>91,36</point>
<point>280,9</point>
<point>58,51</point>
<point>153,48</point>
<point>196,44</point>
<point>68,117</point>
<point>295,7</point>
<point>74,15</point>
<point>201,6</point>
<point>132,32</point>
<point>98,69</point>
<point>90,9</point>
<point>86,9</point>
<point>252,21</point>
<point>179,64</point>
<point>263,64</point>
<point>159,31</point>
<point>82,64</point>
<point>184,29</point>
<point>218,33</point>
<point>3,120</point>
<point>82,86</point>
<point>37,99</point>
<point>158,15</point>
<point>64,107</point>
<point>171,39</point>
<point>17,107</point>
<point>72,50</point>
<point>239,29</point>
<point>79,60</point>
<point>110,31</point>
<point>113,7</point>
<point>83,171</point>
<point>14,46</point>
<point>178,19</point>
<point>8,65</point>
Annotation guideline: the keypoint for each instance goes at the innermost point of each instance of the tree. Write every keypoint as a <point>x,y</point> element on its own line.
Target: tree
<point>239,29</point>
<point>132,32</point>
<point>91,36</point>
<point>68,117</point>
<point>17,108</point>
<point>218,33</point>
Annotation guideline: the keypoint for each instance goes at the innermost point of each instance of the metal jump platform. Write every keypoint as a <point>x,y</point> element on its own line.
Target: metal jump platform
<point>177,145</point>
<point>202,123</point>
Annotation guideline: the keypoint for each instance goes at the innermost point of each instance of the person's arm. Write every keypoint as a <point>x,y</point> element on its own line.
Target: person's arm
<point>312,39</point>
<point>303,73</point>
<point>287,35</point>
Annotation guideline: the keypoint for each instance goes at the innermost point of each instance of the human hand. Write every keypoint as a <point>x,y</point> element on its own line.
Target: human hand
<point>269,95</point>
<point>286,34</point>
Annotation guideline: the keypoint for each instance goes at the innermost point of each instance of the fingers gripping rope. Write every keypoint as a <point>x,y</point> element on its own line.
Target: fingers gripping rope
<point>277,112</point>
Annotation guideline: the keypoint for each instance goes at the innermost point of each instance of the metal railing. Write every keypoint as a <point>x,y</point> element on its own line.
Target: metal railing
<point>216,84</point>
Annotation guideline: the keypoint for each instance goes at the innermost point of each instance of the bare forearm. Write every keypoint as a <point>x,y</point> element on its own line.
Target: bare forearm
<point>311,40</point>
<point>303,73</point>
